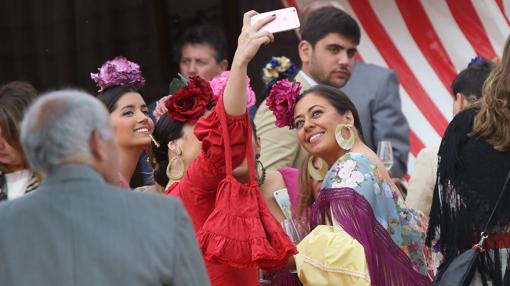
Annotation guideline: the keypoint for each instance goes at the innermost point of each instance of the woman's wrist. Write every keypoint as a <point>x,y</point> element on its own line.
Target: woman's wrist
<point>239,62</point>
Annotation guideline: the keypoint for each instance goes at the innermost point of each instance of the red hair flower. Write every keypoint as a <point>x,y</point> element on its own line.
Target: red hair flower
<point>191,102</point>
<point>281,101</point>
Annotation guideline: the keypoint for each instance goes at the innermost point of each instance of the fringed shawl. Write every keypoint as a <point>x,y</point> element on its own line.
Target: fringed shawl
<point>469,178</point>
<point>371,211</point>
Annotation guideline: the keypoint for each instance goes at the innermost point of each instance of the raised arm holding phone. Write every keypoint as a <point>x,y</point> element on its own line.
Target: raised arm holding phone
<point>200,166</point>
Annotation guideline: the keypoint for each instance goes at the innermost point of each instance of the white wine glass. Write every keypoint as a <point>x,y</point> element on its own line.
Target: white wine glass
<point>296,231</point>
<point>385,153</point>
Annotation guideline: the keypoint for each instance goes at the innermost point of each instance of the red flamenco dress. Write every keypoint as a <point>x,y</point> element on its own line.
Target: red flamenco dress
<point>236,231</point>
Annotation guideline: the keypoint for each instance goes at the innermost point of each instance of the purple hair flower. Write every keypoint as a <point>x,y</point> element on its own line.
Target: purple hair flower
<point>119,71</point>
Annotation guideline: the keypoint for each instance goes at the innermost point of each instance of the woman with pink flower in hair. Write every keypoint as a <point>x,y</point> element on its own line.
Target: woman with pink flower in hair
<point>203,135</point>
<point>357,216</point>
<point>120,83</point>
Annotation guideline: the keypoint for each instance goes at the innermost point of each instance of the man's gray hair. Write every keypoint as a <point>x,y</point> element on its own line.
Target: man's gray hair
<point>59,124</point>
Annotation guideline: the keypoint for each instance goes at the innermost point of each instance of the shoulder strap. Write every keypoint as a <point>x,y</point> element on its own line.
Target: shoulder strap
<point>228,149</point>
<point>497,203</point>
<point>226,137</point>
<point>249,152</point>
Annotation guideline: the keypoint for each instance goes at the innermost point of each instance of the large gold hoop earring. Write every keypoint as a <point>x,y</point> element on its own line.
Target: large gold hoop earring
<point>345,144</point>
<point>171,169</point>
<point>317,174</point>
<point>175,173</point>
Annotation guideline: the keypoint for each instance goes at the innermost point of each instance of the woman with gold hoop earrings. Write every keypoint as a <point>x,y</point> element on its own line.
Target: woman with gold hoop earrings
<point>176,145</point>
<point>357,194</point>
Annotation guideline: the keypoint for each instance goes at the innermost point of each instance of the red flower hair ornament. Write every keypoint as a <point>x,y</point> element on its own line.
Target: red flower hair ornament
<point>281,101</point>
<point>190,102</point>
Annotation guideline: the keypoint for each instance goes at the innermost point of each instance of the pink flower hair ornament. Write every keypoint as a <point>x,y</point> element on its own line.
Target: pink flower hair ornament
<point>219,82</point>
<point>117,72</point>
<point>281,101</point>
<point>160,109</point>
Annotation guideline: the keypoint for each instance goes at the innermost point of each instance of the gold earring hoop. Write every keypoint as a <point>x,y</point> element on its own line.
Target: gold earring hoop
<point>171,169</point>
<point>317,174</point>
<point>178,150</point>
<point>345,144</point>
<point>156,143</point>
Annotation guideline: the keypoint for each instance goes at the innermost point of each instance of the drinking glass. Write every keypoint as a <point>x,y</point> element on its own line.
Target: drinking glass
<point>385,153</point>
<point>296,231</point>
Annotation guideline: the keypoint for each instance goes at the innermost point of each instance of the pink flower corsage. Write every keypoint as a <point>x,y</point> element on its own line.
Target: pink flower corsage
<point>119,71</point>
<point>160,109</point>
<point>281,101</point>
<point>219,82</point>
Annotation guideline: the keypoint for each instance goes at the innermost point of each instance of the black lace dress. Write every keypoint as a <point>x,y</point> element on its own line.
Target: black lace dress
<point>469,178</point>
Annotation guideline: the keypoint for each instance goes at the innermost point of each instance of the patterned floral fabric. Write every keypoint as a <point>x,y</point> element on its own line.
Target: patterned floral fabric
<point>405,226</point>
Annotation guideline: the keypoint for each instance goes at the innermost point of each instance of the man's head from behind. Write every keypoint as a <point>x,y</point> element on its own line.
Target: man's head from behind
<point>202,50</point>
<point>69,126</point>
<point>329,41</point>
<point>467,85</point>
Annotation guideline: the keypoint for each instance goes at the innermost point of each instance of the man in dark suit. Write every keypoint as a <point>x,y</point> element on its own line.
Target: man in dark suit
<point>374,90</point>
<point>77,229</point>
<point>329,41</point>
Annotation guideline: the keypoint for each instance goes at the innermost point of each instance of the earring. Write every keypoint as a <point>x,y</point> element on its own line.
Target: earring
<point>178,150</point>
<point>179,169</point>
<point>156,143</point>
<point>260,170</point>
<point>345,144</point>
<point>317,174</point>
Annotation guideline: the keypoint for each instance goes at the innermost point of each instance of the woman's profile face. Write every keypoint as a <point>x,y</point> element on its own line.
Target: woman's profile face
<point>315,120</point>
<point>131,122</point>
<point>10,157</point>
<point>189,144</point>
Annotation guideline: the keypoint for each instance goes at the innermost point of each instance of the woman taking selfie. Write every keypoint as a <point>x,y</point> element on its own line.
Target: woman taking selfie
<point>235,229</point>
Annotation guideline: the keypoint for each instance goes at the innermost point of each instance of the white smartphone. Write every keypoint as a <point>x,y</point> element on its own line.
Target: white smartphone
<point>286,19</point>
<point>283,200</point>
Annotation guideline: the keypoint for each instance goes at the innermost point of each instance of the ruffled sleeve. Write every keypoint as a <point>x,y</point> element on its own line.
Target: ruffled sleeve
<point>208,130</point>
<point>197,188</point>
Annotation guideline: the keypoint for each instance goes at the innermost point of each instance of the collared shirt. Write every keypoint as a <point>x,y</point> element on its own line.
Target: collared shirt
<point>310,81</point>
<point>14,185</point>
<point>17,183</point>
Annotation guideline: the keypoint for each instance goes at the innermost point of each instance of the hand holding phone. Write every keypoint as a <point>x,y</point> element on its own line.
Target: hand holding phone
<point>286,19</point>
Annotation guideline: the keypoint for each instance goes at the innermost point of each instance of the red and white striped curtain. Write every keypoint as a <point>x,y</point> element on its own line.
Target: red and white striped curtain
<point>427,43</point>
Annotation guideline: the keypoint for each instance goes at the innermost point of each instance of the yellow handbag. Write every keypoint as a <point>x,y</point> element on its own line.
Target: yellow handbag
<point>330,256</point>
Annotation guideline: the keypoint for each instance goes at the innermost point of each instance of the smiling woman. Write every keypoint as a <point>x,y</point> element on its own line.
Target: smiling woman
<point>120,82</point>
<point>356,195</point>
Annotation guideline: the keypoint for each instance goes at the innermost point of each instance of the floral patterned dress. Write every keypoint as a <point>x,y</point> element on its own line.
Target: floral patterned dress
<point>405,226</point>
